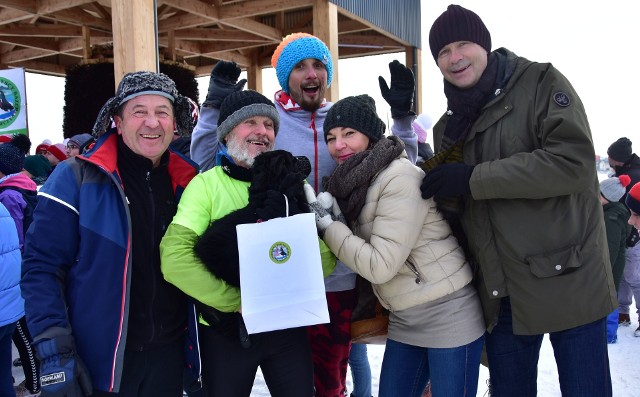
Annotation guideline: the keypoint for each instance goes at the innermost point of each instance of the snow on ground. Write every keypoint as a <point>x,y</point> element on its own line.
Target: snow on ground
<point>623,357</point>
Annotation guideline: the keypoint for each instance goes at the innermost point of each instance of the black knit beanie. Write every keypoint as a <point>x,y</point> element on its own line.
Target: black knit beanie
<point>357,112</point>
<point>458,24</point>
<point>620,150</point>
<point>12,154</point>
<point>241,105</point>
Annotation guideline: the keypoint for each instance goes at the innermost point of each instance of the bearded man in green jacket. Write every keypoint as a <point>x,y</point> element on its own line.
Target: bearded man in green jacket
<point>515,168</point>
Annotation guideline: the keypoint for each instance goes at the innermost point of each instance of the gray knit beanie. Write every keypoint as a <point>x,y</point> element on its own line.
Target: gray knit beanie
<point>145,83</point>
<point>241,105</point>
<point>614,188</point>
<point>357,112</point>
<point>458,24</point>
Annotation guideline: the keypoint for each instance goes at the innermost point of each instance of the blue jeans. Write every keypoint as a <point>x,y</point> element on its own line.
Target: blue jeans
<point>453,371</point>
<point>580,352</point>
<point>360,370</point>
<point>6,379</point>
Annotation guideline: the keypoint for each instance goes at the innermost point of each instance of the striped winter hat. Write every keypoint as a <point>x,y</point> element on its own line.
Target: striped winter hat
<point>241,105</point>
<point>295,48</point>
<point>633,199</point>
<point>458,24</point>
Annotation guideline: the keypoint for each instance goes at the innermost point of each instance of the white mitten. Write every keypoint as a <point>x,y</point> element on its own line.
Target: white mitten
<point>323,216</point>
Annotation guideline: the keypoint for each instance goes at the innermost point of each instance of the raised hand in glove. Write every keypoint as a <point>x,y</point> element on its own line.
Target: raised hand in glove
<point>223,81</point>
<point>62,373</point>
<point>447,180</point>
<point>323,217</point>
<point>400,95</point>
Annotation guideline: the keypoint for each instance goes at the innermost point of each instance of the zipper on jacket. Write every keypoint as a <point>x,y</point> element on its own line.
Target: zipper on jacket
<point>153,238</point>
<point>414,269</point>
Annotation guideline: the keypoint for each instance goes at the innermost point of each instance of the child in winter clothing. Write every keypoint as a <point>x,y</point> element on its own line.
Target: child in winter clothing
<point>615,221</point>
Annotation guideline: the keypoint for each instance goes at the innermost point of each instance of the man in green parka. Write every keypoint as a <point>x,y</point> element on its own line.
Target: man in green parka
<point>515,167</point>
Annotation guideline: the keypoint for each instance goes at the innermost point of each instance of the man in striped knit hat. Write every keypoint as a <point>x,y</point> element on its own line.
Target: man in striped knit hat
<point>304,69</point>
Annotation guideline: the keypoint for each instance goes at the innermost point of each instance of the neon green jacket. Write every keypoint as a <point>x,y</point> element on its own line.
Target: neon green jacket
<point>208,197</point>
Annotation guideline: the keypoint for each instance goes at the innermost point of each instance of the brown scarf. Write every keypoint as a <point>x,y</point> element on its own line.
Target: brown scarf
<point>350,180</point>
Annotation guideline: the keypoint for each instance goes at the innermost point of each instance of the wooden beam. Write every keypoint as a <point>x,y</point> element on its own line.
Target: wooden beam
<point>79,18</point>
<point>246,9</point>
<point>8,16</point>
<point>22,5</point>
<point>134,39</point>
<point>255,27</point>
<point>181,22</point>
<point>325,27</point>
<point>24,55</point>
<point>44,68</point>
<point>86,43</point>
<point>196,7</point>
<point>413,60</point>
<point>51,6</point>
<point>254,74</point>
<point>41,30</point>
<point>215,34</point>
<point>43,43</point>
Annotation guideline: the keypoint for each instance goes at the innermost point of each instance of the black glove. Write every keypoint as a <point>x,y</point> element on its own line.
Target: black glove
<point>229,325</point>
<point>400,96</point>
<point>447,180</point>
<point>274,206</point>
<point>223,81</point>
<point>62,373</point>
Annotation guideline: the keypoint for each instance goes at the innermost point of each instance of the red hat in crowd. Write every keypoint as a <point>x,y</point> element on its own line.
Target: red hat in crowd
<point>633,198</point>
<point>5,138</point>
<point>58,150</point>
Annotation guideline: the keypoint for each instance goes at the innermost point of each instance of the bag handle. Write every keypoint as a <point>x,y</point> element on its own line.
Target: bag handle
<point>286,205</point>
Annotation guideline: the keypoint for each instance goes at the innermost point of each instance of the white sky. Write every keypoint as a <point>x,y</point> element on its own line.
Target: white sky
<point>592,43</point>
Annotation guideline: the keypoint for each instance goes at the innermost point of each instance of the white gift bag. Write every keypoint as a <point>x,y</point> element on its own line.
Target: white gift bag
<point>281,282</point>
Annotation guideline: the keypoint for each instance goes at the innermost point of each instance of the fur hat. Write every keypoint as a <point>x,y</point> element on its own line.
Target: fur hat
<point>58,150</point>
<point>241,105</point>
<point>614,188</point>
<point>633,199</point>
<point>295,48</point>
<point>37,165</point>
<point>145,83</point>
<point>12,154</point>
<point>357,112</point>
<point>458,24</point>
<point>620,150</point>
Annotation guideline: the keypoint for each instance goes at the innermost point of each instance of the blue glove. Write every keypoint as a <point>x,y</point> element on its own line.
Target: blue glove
<point>447,180</point>
<point>62,373</point>
<point>223,81</point>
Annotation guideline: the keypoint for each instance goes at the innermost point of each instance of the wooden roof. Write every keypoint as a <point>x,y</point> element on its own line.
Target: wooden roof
<point>46,36</point>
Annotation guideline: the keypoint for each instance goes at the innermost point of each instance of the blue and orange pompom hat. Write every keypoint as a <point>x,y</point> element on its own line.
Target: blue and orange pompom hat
<point>295,48</point>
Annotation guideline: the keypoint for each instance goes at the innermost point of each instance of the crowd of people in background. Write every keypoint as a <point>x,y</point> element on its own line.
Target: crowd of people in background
<point>459,240</point>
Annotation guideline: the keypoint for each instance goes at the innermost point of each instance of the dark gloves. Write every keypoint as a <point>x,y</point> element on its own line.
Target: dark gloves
<point>229,325</point>
<point>447,180</point>
<point>223,81</point>
<point>274,206</point>
<point>62,373</point>
<point>400,95</point>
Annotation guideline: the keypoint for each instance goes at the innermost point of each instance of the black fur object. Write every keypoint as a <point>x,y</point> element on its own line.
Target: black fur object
<point>274,175</point>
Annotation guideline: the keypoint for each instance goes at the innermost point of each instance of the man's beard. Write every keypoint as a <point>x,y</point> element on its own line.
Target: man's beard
<point>239,150</point>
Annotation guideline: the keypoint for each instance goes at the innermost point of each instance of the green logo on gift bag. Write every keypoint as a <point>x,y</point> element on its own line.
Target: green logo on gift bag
<point>280,252</point>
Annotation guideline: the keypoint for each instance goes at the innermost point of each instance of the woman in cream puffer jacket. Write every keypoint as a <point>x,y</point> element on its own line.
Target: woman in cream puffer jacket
<point>404,247</point>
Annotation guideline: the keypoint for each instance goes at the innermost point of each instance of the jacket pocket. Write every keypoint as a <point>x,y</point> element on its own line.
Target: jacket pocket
<point>555,263</point>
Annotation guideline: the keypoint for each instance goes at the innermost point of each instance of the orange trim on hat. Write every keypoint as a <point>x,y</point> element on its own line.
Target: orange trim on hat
<point>284,43</point>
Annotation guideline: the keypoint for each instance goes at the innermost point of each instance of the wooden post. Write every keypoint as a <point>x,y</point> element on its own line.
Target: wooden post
<point>325,27</point>
<point>413,60</point>
<point>135,45</point>
<point>254,74</point>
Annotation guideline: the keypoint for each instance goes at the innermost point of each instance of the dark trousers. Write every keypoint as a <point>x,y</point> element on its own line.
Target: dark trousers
<point>284,356</point>
<point>151,373</point>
